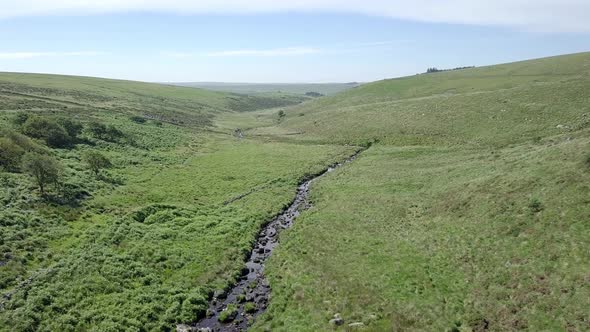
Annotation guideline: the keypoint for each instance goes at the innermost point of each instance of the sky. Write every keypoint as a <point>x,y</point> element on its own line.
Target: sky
<point>296,41</point>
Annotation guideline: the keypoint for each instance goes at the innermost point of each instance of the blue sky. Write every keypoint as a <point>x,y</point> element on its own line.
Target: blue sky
<point>155,41</point>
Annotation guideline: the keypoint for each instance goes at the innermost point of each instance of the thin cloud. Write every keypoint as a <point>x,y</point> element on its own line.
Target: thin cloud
<point>277,52</point>
<point>31,55</point>
<point>542,15</point>
<point>290,51</point>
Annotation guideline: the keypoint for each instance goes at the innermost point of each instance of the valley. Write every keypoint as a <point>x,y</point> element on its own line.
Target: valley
<point>466,211</point>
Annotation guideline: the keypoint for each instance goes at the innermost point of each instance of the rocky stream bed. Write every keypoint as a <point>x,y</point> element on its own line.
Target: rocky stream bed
<point>237,308</point>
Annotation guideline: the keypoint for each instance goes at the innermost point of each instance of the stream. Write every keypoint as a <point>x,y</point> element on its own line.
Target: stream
<point>251,294</point>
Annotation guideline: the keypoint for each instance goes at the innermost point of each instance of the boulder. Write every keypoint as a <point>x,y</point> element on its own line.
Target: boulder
<point>183,328</point>
<point>356,325</point>
<point>337,320</point>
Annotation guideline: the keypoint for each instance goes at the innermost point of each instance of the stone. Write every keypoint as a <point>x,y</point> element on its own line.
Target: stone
<point>356,325</point>
<point>183,328</point>
<point>337,320</point>
<point>220,294</point>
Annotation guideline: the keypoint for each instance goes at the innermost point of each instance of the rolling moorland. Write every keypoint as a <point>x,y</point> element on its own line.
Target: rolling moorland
<point>467,210</point>
<point>277,88</point>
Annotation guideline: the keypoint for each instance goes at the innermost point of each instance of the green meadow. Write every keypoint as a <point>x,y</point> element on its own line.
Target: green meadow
<point>468,210</point>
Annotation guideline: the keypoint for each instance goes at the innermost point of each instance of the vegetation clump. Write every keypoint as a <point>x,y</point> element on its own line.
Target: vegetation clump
<point>138,119</point>
<point>436,70</point>
<point>228,314</point>
<point>250,307</point>
<point>43,168</point>
<point>106,133</point>
<point>10,154</point>
<point>96,161</point>
<point>314,94</point>
<point>535,205</point>
<point>281,115</point>
<point>48,130</point>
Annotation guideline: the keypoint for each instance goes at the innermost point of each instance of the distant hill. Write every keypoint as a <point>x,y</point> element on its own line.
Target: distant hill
<point>253,88</point>
<point>492,105</point>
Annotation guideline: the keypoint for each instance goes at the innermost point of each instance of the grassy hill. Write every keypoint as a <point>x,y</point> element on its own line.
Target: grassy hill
<point>142,244</point>
<point>255,88</point>
<point>468,213</point>
<point>496,105</point>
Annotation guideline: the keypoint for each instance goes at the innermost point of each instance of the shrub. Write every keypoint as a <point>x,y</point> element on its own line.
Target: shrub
<point>96,161</point>
<point>137,119</point>
<point>104,132</point>
<point>250,307</point>
<point>43,168</point>
<point>535,205</point>
<point>23,141</point>
<point>228,314</point>
<point>193,307</point>
<point>48,130</point>
<point>10,154</point>
<point>587,160</point>
<point>73,128</point>
<point>20,118</point>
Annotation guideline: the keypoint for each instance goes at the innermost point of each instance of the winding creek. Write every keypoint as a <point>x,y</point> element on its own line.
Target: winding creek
<point>253,287</point>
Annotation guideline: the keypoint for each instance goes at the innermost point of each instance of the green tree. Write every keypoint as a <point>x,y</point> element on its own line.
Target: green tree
<point>105,133</point>
<point>48,130</point>
<point>96,161</point>
<point>10,154</point>
<point>44,169</point>
<point>72,127</point>
<point>20,118</point>
<point>281,115</point>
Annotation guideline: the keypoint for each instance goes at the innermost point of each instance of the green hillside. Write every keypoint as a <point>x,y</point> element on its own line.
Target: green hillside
<point>140,243</point>
<point>468,213</point>
<point>496,105</point>
<point>259,88</point>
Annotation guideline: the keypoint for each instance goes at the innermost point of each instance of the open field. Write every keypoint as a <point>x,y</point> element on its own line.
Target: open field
<point>467,211</point>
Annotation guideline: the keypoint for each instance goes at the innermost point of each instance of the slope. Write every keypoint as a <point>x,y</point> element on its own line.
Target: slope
<point>141,240</point>
<point>468,212</point>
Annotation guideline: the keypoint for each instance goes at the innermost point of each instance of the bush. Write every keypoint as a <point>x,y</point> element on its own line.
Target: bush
<point>137,119</point>
<point>193,307</point>
<point>44,169</point>
<point>250,307</point>
<point>48,130</point>
<point>96,161</point>
<point>73,128</point>
<point>10,154</point>
<point>20,118</point>
<point>23,141</point>
<point>228,314</point>
<point>535,205</point>
<point>105,133</point>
